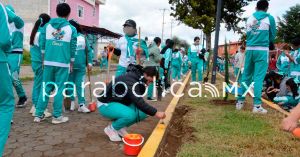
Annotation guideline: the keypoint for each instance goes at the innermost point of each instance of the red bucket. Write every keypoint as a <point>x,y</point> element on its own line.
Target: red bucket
<point>133,144</point>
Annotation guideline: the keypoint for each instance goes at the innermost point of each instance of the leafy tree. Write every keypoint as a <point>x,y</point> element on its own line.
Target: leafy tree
<point>201,14</point>
<point>243,38</point>
<point>289,25</point>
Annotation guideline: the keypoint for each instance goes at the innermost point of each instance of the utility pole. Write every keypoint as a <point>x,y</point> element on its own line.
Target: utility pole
<point>163,24</point>
<point>214,72</point>
<point>203,39</point>
<point>172,22</point>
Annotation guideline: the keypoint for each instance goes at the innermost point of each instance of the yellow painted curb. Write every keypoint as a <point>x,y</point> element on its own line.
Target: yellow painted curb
<point>269,103</point>
<point>155,138</point>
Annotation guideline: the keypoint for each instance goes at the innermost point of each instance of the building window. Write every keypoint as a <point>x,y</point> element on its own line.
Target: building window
<point>62,1</point>
<point>94,11</point>
<point>80,11</point>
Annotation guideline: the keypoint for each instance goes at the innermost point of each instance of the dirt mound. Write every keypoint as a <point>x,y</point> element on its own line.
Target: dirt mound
<point>178,131</point>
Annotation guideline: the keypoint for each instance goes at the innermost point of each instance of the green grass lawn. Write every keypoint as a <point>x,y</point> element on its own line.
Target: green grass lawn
<point>220,130</point>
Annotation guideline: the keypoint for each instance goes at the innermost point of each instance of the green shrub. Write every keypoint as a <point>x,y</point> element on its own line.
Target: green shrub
<point>26,58</point>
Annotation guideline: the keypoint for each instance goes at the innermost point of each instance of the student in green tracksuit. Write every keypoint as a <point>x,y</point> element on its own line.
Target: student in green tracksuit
<point>58,46</point>
<point>222,65</point>
<point>36,60</point>
<point>288,95</point>
<point>6,90</point>
<point>185,62</point>
<point>206,55</point>
<point>166,63</point>
<point>104,59</point>
<point>194,54</point>
<point>261,31</point>
<point>283,62</point>
<point>294,58</point>
<point>128,46</point>
<point>239,64</point>
<point>154,60</point>
<point>176,64</point>
<point>83,59</point>
<point>15,55</point>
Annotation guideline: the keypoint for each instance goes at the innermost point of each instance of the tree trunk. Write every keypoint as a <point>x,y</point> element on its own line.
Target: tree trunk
<point>208,41</point>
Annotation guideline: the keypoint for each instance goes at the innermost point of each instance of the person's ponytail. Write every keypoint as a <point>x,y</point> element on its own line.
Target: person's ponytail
<point>34,31</point>
<point>41,22</point>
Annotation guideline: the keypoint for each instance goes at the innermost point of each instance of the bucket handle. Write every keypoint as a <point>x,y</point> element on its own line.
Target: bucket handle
<point>133,145</point>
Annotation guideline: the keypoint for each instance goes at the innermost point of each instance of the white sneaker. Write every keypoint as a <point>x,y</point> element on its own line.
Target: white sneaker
<point>32,110</point>
<point>259,109</point>
<point>72,107</point>
<point>167,91</point>
<point>180,80</point>
<point>38,119</point>
<point>122,132</point>
<point>47,113</point>
<point>173,80</point>
<point>83,109</point>
<point>112,134</point>
<point>59,120</point>
<point>239,105</point>
<point>163,94</point>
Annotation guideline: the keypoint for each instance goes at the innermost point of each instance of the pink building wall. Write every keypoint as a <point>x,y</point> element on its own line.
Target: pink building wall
<point>88,19</point>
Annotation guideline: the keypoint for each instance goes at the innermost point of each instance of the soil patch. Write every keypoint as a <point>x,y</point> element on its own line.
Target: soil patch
<point>178,132</point>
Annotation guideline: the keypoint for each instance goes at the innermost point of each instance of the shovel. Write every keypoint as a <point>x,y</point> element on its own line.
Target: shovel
<point>92,105</point>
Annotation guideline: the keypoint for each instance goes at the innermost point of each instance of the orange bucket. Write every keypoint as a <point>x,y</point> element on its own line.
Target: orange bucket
<point>92,107</point>
<point>296,132</point>
<point>133,144</point>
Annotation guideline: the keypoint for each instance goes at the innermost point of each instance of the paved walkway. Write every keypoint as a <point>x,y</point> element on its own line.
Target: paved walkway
<point>26,71</point>
<point>82,136</point>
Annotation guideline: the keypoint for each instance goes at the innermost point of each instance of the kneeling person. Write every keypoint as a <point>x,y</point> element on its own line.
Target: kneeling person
<point>123,101</point>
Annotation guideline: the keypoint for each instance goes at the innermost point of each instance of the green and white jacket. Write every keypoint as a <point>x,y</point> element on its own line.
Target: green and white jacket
<point>35,50</point>
<point>58,43</point>
<point>5,42</point>
<point>261,30</point>
<point>128,45</point>
<point>80,54</point>
<point>16,29</point>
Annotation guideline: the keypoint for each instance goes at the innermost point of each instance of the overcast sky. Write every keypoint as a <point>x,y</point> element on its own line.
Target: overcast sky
<point>148,15</point>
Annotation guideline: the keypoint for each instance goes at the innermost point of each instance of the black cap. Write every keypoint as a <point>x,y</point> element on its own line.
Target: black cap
<point>130,23</point>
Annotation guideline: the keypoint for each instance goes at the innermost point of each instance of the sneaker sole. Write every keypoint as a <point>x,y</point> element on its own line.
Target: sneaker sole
<point>259,112</point>
<point>39,121</point>
<point>239,108</point>
<point>22,106</point>
<point>84,112</point>
<point>110,138</point>
<point>47,116</point>
<point>58,122</point>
